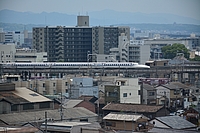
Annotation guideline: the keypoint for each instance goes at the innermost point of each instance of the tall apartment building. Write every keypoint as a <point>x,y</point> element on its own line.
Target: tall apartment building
<point>139,53</point>
<point>105,38</point>
<point>121,51</point>
<point>68,44</point>
<point>73,44</point>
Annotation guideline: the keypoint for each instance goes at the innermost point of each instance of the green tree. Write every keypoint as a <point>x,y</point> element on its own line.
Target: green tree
<point>169,52</point>
<point>197,58</point>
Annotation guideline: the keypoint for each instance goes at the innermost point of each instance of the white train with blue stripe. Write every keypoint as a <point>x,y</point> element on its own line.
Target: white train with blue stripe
<point>72,65</point>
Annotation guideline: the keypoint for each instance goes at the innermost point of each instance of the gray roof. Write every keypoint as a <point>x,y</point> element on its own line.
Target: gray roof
<point>175,122</point>
<point>148,87</point>
<point>124,116</point>
<point>72,103</point>
<point>24,117</point>
<point>175,85</point>
<point>169,130</point>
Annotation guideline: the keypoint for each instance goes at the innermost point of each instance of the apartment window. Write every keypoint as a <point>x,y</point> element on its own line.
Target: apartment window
<point>54,84</point>
<point>112,94</point>
<point>66,83</point>
<point>14,107</point>
<point>31,85</point>
<point>54,91</point>
<point>43,85</point>
<point>151,93</point>
<point>176,92</point>
<point>111,124</point>
<point>84,120</point>
<point>28,106</point>
<point>124,94</point>
<point>44,105</point>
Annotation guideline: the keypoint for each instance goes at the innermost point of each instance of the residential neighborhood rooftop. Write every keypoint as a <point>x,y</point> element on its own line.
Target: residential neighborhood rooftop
<point>126,117</point>
<point>132,107</point>
<point>22,95</point>
<point>175,122</point>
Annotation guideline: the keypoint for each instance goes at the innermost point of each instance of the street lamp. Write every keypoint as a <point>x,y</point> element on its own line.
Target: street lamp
<point>88,54</point>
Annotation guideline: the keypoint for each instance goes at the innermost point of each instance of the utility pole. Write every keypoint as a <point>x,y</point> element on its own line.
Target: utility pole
<point>61,109</point>
<point>45,122</point>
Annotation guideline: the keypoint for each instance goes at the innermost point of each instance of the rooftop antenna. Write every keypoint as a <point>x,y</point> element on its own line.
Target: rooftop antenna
<point>45,20</point>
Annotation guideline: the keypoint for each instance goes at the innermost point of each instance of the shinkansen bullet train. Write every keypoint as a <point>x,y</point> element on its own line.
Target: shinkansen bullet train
<point>79,65</point>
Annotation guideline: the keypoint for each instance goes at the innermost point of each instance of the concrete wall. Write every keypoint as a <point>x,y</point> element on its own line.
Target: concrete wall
<point>132,95</point>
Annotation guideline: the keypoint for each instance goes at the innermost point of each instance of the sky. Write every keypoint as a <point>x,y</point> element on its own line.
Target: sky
<point>187,8</point>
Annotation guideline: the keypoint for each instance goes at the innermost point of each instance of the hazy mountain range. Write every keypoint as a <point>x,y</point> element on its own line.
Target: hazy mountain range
<point>104,17</point>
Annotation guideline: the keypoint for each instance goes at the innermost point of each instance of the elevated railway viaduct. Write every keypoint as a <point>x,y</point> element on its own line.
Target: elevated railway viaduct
<point>182,73</point>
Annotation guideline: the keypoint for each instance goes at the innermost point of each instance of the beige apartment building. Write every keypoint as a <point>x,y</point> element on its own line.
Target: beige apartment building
<point>45,86</point>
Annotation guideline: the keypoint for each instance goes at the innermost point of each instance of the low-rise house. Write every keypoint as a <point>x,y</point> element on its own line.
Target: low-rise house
<point>149,94</point>
<point>173,122</point>
<point>174,92</point>
<point>126,121</point>
<point>83,86</point>
<point>72,127</point>
<point>19,130</point>
<point>193,115</point>
<point>79,103</point>
<point>169,130</point>
<point>21,99</point>
<point>91,99</point>
<point>124,90</point>
<point>150,111</point>
<point>38,117</point>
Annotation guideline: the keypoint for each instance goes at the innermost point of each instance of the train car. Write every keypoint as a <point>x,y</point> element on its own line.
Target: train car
<point>78,65</point>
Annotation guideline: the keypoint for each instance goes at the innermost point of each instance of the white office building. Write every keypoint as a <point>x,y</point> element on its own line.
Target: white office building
<point>9,53</point>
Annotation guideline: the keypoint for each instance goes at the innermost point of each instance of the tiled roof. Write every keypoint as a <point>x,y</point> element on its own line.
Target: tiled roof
<point>176,122</point>
<point>72,103</point>
<point>175,85</point>
<point>124,116</point>
<point>88,98</point>
<point>22,95</point>
<point>24,117</point>
<point>169,130</point>
<point>132,107</point>
<point>148,87</point>
<point>12,98</point>
<point>101,100</point>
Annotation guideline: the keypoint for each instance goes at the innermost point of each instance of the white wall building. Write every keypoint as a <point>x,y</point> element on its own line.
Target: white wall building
<point>30,55</point>
<point>18,38</point>
<point>7,52</point>
<point>122,51</point>
<point>163,92</point>
<point>129,90</point>
<point>106,58</point>
<point>138,52</point>
<point>83,86</point>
